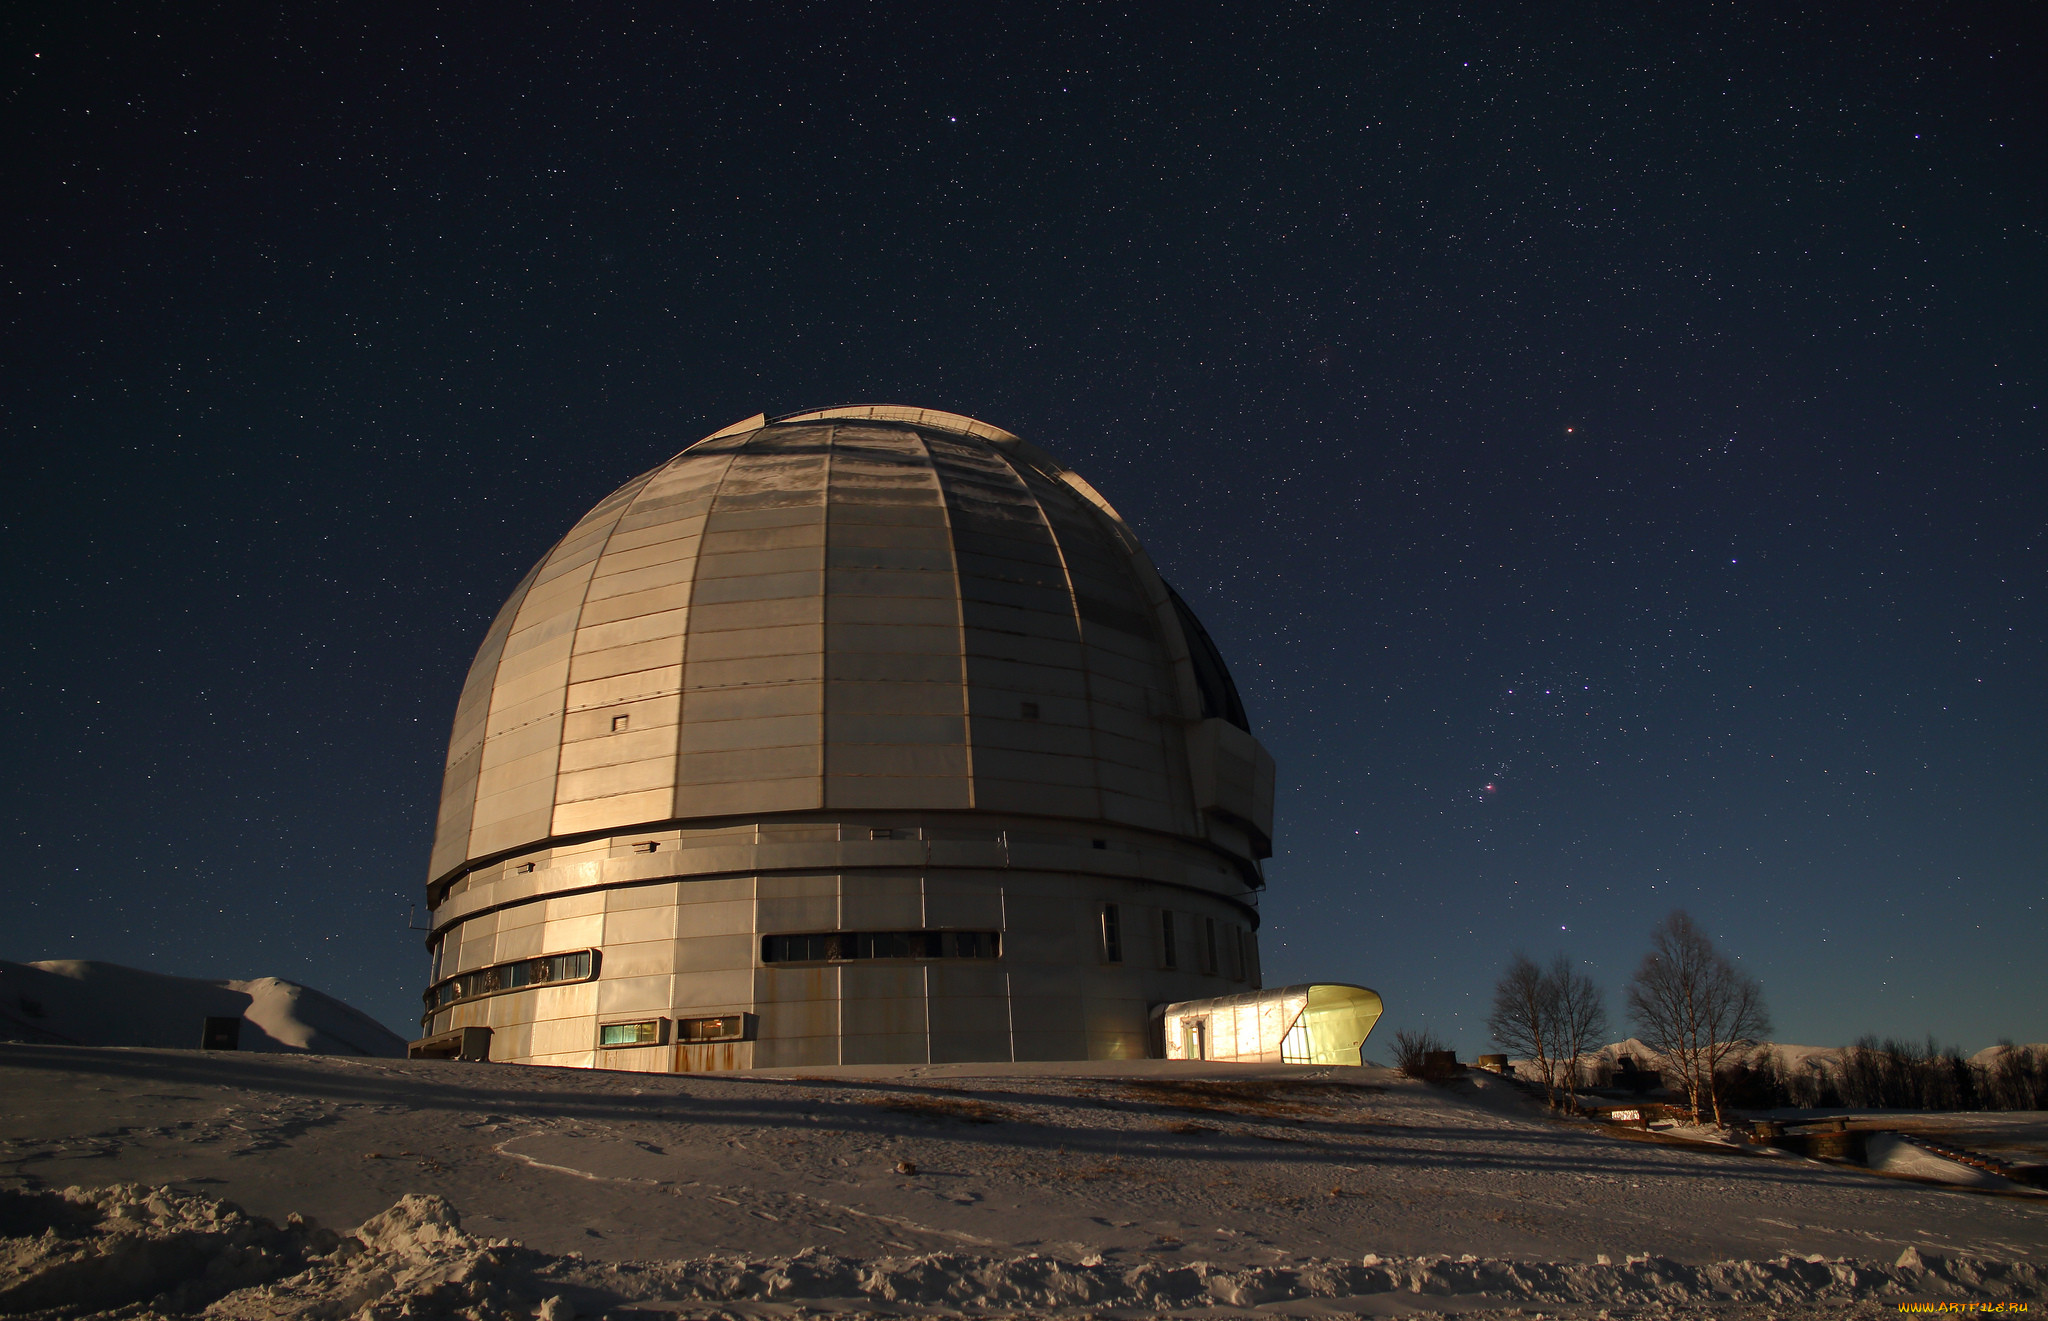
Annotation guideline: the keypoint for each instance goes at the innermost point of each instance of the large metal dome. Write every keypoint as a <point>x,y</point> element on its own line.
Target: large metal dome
<point>876,615</point>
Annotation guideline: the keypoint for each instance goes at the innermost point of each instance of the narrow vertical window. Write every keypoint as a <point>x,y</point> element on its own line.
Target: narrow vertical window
<point>1112,934</point>
<point>1209,945</point>
<point>1169,957</point>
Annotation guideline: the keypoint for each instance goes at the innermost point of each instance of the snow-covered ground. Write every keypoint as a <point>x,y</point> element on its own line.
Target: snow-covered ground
<point>78,1002</point>
<point>1109,1189</point>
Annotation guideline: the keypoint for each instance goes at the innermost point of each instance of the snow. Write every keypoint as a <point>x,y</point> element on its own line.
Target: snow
<point>1151,1187</point>
<point>84,1003</point>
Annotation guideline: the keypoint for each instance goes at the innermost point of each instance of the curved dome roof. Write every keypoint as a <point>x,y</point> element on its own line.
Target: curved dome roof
<point>856,609</point>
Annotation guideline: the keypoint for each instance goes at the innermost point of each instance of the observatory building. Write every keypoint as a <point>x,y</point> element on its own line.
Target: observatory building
<point>865,735</point>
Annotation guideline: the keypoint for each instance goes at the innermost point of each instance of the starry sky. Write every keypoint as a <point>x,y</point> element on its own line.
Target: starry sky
<point>1605,440</point>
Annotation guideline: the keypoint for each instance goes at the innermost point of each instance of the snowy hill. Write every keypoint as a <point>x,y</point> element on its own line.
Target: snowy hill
<point>77,1002</point>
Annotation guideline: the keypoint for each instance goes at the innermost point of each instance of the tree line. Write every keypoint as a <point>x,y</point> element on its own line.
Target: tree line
<point>1705,1018</point>
<point>1893,1075</point>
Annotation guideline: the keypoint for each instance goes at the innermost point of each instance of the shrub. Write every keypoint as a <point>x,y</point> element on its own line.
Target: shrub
<point>1410,1048</point>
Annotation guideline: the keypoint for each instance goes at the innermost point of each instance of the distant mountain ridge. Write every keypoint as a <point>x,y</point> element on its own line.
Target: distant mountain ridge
<point>83,1002</point>
<point>1787,1055</point>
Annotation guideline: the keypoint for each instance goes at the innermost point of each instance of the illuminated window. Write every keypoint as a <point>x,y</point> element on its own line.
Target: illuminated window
<point>1294,1047</point>
<point>1112,934</point>
<point>726,1027</point>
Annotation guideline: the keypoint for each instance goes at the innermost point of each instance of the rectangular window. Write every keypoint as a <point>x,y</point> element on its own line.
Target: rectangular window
<point>647,1032</point>
<point>620,724</point>
<point>1112,934</point>
<point>1209,945</point>
<point>1169,956</point>
<point>725,1027</point>
<point>843,946</point>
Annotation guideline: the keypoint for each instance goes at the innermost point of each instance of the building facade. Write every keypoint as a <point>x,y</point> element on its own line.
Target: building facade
<point>865,735</point>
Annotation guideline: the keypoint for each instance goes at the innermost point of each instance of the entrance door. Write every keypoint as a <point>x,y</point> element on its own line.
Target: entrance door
<point>1194,1039</point>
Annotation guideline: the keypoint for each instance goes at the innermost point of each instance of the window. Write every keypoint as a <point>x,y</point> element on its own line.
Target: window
<point>577,967</point>
<point>645,846</point>
<point>1112,934</point>
<point>725,1027</point>
<point>1169,956</point>
<point>1030,710</point>
<point>525,867</point>
<point>894,832</point>
<point>844,946</point>
<point>1209,945</point>
<point>620,724</point>
<point>1294,1047</point>
<point>646,1032</point>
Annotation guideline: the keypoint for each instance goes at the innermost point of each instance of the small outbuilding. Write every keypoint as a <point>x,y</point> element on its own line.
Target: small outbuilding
<point>1310,1023</point>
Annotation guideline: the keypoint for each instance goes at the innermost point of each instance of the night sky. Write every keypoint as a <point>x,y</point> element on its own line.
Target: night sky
<point>1606,440</point>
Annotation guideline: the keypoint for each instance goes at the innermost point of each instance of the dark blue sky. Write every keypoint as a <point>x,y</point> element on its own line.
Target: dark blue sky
<point>1635,411</point>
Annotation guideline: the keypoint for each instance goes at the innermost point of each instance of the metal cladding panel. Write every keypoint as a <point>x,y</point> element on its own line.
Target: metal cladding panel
<point>466,743</point>
<point>868,609</point>
<point>898,741</point>
<point>751,719</point>
<point>618,767</point>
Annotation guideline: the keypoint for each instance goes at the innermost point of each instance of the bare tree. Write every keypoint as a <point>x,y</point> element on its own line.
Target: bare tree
<point>1736,1020</point>
<point>1693,1007</point>
<point>1524,1017</point>
<point>1580,1007</point>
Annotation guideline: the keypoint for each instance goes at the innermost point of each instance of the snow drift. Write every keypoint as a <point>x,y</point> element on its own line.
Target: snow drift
<point>110,1250</point>
<point>77,1002</point>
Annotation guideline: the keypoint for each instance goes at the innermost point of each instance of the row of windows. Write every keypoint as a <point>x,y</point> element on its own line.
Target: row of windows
<point>1217,949</point>
<point>842,946</point>
<point>689,1031</point>
<point>549,970</point>
<point>1223,948</point>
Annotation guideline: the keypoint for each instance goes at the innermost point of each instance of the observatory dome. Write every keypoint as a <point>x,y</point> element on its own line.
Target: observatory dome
<point>863,734</point>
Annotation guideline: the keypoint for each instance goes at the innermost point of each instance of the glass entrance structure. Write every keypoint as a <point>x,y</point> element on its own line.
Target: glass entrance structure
<point>1309,1023</point>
